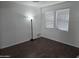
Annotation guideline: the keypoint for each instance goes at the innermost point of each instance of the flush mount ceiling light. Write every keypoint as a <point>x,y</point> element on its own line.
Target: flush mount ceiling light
<point>35,1</point>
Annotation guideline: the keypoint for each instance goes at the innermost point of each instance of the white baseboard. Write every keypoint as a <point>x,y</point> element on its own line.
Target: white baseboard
<point>61,41</point>
<point>14,44</point>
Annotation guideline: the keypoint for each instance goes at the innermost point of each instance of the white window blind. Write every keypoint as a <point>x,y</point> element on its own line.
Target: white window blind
<point>49,17</point>
<point>62,19</point>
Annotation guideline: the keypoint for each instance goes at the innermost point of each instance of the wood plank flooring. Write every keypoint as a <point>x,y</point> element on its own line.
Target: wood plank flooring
<point>41,48</point>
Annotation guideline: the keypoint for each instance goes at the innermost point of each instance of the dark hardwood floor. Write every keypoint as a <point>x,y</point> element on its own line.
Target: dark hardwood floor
<point>41,48</point>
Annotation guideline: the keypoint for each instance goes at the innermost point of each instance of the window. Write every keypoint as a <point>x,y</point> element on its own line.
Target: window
<point>49,17</point>
<point>62,19</point>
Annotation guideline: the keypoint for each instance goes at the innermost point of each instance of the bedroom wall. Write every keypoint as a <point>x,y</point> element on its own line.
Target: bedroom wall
<point>15,27</point>
<point>72,36</point>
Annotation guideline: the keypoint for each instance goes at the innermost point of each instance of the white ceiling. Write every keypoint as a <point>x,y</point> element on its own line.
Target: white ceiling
<point>38,3</point>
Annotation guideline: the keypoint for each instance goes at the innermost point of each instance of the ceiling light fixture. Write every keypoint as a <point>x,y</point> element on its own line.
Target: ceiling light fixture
<point>35,1</point>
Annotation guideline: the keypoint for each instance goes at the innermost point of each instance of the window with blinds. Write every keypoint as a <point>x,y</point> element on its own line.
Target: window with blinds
<point>62,19</point>
<point>49,17</point>
<point>58,18</point>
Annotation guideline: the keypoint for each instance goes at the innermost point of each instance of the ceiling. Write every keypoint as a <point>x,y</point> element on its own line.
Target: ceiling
<point>38,3</point>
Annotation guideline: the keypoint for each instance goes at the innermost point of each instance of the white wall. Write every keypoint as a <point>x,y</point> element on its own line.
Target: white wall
<point>15,28</point>
<point>72,36</point>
